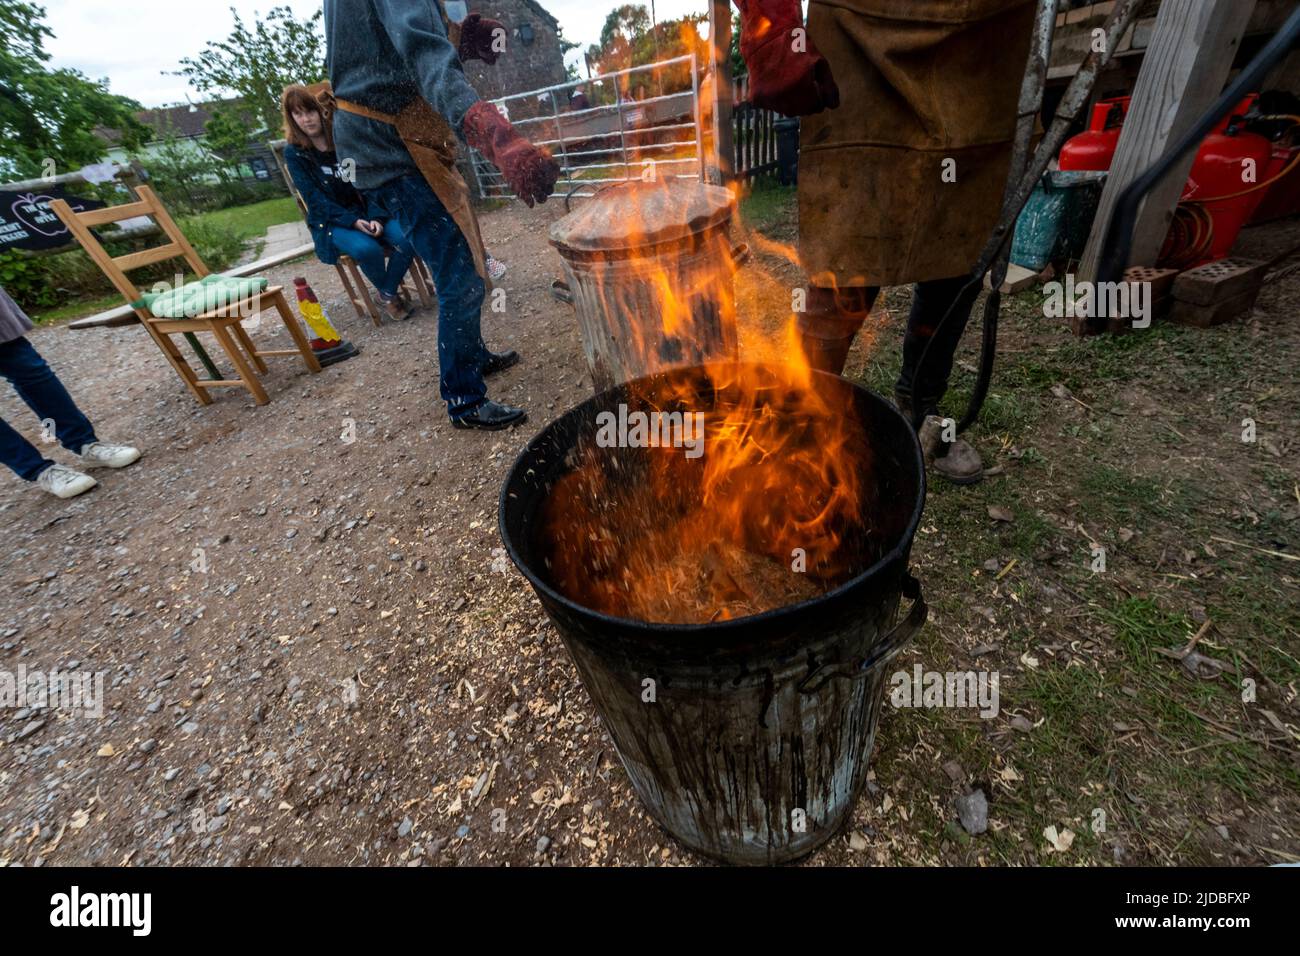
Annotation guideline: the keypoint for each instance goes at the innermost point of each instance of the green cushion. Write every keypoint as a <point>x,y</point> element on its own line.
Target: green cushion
<point>196,298</point>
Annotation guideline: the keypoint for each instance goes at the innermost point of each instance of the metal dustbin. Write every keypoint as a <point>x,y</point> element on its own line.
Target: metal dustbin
<point>757,745</point>
<point>648,268</point>
<point>787,150</point>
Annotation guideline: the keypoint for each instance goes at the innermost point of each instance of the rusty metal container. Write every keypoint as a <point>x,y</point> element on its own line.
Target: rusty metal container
<point>756,745</point>
<point>648,268</point>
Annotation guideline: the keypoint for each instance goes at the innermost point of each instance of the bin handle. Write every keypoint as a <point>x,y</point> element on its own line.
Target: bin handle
<point>883,652</point>
<point>560,290</point>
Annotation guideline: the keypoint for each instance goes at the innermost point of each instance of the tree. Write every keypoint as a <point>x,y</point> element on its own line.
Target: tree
<point>226,136</point>
<point>257,63</point>
<point>50,115</point>
<point>628,39</point>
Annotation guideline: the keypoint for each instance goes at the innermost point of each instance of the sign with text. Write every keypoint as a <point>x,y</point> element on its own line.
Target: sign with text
<point>28,222</point>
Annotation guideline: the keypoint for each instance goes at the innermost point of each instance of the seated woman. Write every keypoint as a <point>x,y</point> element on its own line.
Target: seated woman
<point>340,222</point>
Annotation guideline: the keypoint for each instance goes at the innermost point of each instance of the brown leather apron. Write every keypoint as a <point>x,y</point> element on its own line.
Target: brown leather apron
<point>920,81</point>
<point>432,144</point>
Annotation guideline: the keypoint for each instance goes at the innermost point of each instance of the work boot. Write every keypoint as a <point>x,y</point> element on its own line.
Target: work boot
<point>490,416</point>
<point>956,461</point>
<point>500,361</point>
<point>64,482</point>
<point>396,306</point>
<point>830,322</point>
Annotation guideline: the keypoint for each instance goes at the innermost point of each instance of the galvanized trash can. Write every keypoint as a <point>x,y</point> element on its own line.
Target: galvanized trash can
<point>649,270</point>
<point>756,743</point>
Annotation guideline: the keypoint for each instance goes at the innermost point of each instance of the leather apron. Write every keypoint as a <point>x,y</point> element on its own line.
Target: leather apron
<point>921,81</point>
<point>432,144</point>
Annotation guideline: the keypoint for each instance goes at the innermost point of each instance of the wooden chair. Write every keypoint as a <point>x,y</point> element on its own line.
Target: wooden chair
<point>223,322</point>
<point>350,273</point>
<point>363,302</point>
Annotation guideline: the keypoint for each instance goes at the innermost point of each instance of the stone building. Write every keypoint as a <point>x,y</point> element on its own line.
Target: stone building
<point>534,57</point>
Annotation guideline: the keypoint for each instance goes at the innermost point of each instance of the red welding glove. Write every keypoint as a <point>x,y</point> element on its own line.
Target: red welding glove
<point>528,169</point>
<point>786,73</point>
<point>476,36</point>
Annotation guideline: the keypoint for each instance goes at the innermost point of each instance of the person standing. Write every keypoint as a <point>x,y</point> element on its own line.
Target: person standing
<point>402,100</point>
<point>910,110</point>
<point>38,386</point>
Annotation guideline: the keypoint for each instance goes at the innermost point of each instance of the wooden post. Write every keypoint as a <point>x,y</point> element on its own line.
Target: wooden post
<point>1183,72</point>
<point>722,161</point>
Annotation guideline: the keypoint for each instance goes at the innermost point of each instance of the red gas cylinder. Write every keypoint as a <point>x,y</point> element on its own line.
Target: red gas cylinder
<point>1228,162</point>
<point>1094,148</point>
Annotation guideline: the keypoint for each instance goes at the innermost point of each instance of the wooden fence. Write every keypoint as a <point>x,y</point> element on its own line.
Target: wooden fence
<point>754,135</point>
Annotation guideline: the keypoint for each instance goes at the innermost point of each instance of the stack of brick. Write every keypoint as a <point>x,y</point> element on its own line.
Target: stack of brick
<point>1217,292</point>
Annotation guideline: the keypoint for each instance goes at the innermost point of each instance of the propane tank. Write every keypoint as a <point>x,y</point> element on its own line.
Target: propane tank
<point>1229,161</point>
<point>1094,148</point>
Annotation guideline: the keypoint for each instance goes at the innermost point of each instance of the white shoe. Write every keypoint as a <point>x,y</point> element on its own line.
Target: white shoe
<point>495,268</point>
<point>64,482</point>
<point>100,454</point>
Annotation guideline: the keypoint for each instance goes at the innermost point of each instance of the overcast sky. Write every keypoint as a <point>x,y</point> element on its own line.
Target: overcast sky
<point>137,43</point>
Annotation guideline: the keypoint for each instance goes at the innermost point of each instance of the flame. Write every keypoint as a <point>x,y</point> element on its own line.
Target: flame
<point>771,512</point>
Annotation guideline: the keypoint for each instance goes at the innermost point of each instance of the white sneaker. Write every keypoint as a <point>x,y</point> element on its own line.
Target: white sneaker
<point>495,268</point>
<point>100,454</point>
<point>64,482</point>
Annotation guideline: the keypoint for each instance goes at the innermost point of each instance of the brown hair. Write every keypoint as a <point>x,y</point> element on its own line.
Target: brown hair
<point>298,97</point>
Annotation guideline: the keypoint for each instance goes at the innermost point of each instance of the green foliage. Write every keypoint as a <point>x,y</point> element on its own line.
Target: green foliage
<point>216,242</point>
<point>227,135</point>
<point>179,170</point>
<point>192,176</point>
<point>40,282</point>
<point>627,39</point>
<point>256,63</point>
<point>25,279</point>
<point>50,115</point>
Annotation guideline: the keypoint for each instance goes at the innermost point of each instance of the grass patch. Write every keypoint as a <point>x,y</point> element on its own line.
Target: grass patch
<point>251,221</point>
<point>767,206</point>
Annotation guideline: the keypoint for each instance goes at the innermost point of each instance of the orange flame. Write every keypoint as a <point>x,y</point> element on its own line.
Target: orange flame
<point>770,513</point>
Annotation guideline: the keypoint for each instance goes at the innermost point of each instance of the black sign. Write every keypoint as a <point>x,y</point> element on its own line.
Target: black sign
<point>28,222</point>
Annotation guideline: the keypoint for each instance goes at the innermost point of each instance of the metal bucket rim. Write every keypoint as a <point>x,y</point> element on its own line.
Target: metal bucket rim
<point>898,552</point>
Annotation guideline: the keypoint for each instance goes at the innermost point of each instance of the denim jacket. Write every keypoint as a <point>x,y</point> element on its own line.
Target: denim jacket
<point>331,202</point>
<point>382,54</point>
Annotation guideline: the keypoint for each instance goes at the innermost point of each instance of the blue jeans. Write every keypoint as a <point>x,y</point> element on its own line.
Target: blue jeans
<point>435,238</point>
<point>41,389</point>
<point>369,253</point>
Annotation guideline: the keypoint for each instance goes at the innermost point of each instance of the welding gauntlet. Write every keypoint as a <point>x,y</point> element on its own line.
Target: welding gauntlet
<point>786,72</point>
<point>476,35</point>
<point>528,169</point>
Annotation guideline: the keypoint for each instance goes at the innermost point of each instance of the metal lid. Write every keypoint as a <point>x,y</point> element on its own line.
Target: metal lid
<point>636,215</point>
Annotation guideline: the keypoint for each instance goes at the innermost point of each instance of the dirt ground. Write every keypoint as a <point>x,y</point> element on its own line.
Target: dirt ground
<point>316,653</point>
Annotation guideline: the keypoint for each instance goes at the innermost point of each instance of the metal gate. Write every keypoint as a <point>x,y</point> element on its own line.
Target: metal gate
<point>629,124</point>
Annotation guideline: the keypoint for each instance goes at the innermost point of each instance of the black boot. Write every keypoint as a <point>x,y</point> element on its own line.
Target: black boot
<point>490,416</point>
<point>500,361</point>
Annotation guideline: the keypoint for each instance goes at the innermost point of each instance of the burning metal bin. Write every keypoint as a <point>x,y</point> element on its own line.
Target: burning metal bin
<point>635,247</point>
<point>756,746</point>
